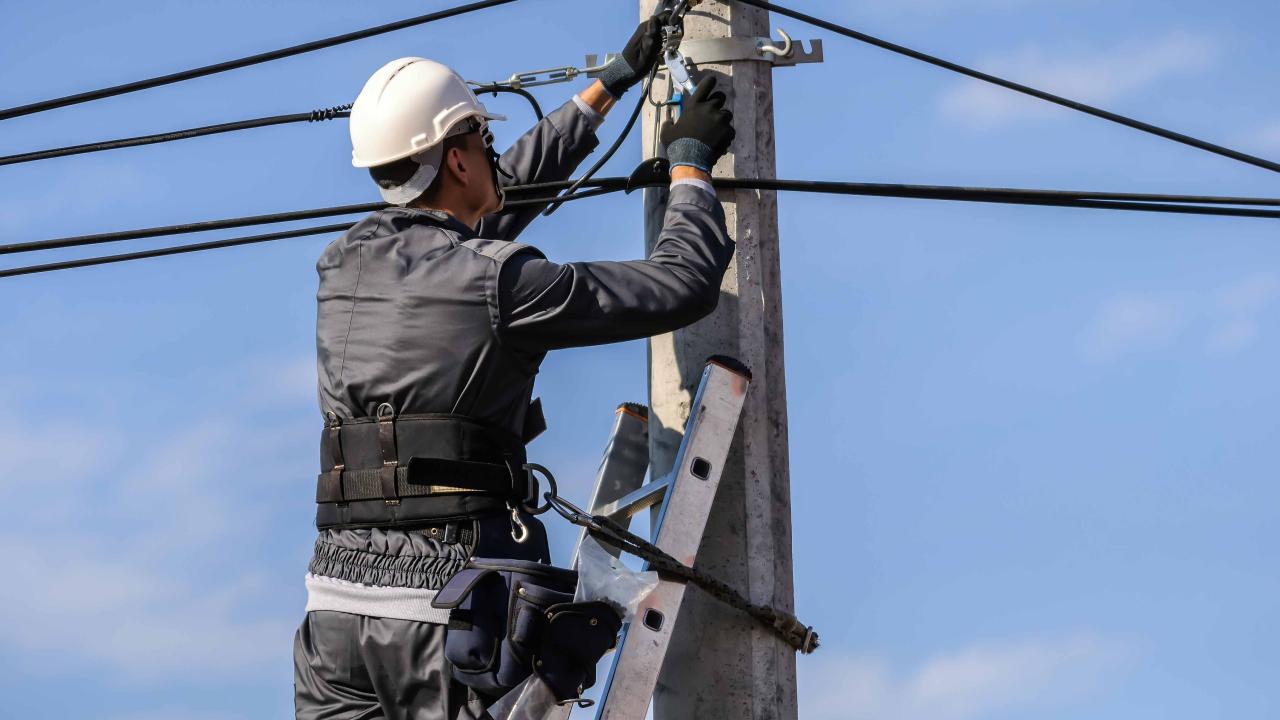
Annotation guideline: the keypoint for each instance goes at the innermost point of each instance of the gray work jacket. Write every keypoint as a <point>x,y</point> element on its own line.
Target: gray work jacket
<point>417,310</point>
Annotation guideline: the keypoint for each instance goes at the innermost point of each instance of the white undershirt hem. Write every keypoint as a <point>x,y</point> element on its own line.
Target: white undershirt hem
<point>326,593</point>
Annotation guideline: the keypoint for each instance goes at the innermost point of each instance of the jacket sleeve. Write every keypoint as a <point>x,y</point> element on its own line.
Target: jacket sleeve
<point>544,305</point>
<point>550,151</point>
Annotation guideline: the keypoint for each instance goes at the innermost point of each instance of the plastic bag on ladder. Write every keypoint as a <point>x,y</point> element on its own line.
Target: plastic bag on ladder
<point>608,594</point>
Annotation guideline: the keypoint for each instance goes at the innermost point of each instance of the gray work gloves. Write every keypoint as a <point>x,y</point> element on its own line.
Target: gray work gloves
<point>704,130</point>
<point>637,59</point>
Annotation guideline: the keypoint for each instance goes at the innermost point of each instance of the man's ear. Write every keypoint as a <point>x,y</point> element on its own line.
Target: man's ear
<point>454,164</point>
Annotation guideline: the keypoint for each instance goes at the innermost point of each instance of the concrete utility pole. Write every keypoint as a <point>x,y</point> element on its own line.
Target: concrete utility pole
<point>720,663</point>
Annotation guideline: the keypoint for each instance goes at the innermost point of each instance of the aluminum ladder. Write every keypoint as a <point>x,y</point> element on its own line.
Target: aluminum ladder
<point>682,503</point>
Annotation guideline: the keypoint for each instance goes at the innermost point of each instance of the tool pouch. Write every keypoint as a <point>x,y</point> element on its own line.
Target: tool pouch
<point>499,618</point>
<point>576,636</point>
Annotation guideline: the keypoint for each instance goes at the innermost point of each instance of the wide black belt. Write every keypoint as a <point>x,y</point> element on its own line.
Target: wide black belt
<point>392,458</point>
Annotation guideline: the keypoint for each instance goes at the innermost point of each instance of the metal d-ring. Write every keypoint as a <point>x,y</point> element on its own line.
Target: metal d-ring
<point>782,52</point>
<point>553,489</point>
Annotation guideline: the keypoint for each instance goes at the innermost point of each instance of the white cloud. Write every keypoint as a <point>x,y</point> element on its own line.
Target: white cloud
<point>1232,337</point>
<point>915,8</point>
<point>1231,319</point>
<point>63,452</point>
<point>1128,324</point>
<point>72,598</point>
<point>966,684</point>
<point>176,713</point>
<point>1250,295</point>
<point>134,571</point>
<point>1236,323</point>
<point>1267,137</point>
<point>290,382</point>
<point>91,188</point>
<point>1093,77</point>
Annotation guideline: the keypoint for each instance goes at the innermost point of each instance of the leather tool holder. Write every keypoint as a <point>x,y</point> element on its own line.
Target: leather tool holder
<point>499,618</point>
<point>576,636</point>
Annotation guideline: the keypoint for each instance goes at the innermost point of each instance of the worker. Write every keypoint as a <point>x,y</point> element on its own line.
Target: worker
<point>432,322</point>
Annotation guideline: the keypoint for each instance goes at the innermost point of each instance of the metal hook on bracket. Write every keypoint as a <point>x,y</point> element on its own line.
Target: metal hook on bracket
<point>782,52</point>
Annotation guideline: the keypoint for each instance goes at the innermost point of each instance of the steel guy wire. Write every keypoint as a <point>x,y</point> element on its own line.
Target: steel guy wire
<point>43,105</point>
<point>1018,87</point>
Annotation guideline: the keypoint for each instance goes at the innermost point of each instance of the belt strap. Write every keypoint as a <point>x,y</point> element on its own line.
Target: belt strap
<point>454,476</point>
<point>390,462</point>
<point>333,426</point>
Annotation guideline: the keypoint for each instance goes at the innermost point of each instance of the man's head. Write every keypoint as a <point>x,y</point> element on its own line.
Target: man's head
<point>463,182</point>
<point>424,137</point>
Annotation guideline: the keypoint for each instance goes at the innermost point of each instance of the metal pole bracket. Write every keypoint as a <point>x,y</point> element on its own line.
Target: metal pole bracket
<point>764,49</point>
<point>593,67</point>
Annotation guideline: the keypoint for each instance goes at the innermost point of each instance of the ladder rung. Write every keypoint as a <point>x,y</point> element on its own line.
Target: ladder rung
<point>637,500</point>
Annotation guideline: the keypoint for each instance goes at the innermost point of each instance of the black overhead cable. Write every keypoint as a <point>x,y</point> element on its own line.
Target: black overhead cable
<point>329,113</point>
<point>43,105</point>
<point>1142,202</point>
<point>249,240</point>
<point>494,89</point>
<point>339,111</point>
<point>1024,89</point>
<point>206,225</point>
<point>617,143</point>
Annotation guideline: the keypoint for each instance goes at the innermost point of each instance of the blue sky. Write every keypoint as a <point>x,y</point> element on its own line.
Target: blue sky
<point>1033,450</point>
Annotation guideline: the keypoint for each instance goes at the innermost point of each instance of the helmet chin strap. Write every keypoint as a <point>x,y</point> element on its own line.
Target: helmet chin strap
<point>494,167</point>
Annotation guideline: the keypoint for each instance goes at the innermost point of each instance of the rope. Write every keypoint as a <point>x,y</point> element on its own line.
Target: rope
<point>781,623</point>
<point>338,111</point>
<point>43,105</point>
<point>1018,87</point>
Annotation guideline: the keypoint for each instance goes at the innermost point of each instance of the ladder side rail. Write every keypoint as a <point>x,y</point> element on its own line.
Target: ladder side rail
<point>681,519</point>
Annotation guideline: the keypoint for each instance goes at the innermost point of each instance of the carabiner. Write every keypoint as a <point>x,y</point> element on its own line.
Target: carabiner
<point>519,532</point>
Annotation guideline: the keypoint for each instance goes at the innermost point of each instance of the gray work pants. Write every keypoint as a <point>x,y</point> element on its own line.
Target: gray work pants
<point>352,667</point>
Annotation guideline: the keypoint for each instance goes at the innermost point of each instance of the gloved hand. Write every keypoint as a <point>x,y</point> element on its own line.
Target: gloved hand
<point>637,59</point>
<point>704,130</point>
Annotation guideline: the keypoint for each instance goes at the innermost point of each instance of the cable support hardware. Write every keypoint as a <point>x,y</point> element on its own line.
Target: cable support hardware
<point>1018,87</point>
<point>320,115</point>
<point>44,105</point>
<point>551,76</point>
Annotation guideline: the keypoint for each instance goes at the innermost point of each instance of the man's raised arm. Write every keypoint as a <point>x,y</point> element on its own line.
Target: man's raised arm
<point>553,148</point>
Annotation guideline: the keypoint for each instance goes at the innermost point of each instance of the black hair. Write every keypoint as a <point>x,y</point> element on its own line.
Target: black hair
<point>399,171</point>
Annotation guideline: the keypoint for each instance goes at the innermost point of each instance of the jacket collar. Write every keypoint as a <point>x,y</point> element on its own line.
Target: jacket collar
<point>436,217</point>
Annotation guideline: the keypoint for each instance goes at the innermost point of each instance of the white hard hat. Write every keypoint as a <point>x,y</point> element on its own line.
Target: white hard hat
<point>406,108</point>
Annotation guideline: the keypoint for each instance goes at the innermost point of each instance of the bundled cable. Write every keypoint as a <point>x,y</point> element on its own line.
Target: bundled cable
<point>253,239</point>
<point>337,111</point>
<point>1212,205</point>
